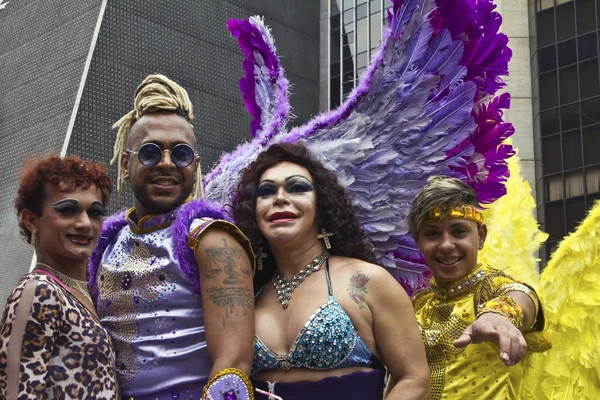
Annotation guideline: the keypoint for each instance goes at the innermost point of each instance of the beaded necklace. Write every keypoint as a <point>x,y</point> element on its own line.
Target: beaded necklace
<point>286,286</point>
<point>80,286</point>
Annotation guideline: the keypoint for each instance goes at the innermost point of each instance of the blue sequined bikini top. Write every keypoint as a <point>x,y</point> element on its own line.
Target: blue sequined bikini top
<point>327,340</point>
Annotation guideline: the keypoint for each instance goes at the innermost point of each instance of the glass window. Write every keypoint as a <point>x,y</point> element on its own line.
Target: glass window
<point>587,46</point>
<point>565,21</point>
<point>335,7</point>
<point>545,4</point>
<point>375,6</point>
<point>569,117</point>
<point>568,85</point>
<point>362,35</point>
<point>334,69</point>
<point>347,50</point>
<point>575,210</point>
<point>548,90</point>
<point>545,27</point>
<point>362,60</point>
<point>555,220</point>
<point>567,53</point>
<point>549,122</point>
<point>348,65</point>
<point>348,16</point>
<point>334,92</point>
<point>387,3</point>
<point>586,16</point>
<point>335,22</point>
<point>551,154</point>
<point>588,79</point>
<point>574,184</point>
<point>348,86</point>
<point>571,144</point>
<point>591,198</point>
<point>362,11</point>
<point>335,46</point>
<point>348,75</point>
<point>592,179</point>
<point>554,187</point>
<point>375,30</point>
<point>547,59</point>
<point>361,1</point>
<point>591,145</point>
<point>590,111</point>
<point>348,4</point>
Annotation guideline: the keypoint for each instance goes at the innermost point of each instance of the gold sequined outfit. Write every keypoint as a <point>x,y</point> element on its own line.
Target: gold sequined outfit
<point>476,372</point>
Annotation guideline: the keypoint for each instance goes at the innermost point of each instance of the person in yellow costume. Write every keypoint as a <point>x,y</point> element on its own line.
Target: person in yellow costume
<point>472,316</point>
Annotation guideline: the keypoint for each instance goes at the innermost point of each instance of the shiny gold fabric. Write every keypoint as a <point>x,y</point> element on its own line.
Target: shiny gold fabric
<point>475,372</point>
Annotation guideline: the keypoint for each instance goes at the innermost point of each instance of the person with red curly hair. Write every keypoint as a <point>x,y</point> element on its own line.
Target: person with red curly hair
<point>52,344</point>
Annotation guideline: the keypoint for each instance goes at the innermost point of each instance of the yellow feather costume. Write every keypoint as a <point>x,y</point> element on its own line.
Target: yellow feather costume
<point>569,289</point>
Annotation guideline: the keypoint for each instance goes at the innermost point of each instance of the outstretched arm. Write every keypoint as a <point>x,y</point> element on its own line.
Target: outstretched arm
<point>398,338</point>
<point>228,299</point>
<point>504,322</point>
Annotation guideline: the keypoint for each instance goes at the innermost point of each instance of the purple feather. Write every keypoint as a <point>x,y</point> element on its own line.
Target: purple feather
<point>264,86</point>
<point>181,228</point>
<point>110,228</point>
<point>423,107</point>
<point>183,254</point>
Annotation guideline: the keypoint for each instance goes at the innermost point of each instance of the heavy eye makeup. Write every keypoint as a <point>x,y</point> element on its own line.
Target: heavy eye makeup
<point>71,207</point>
<point>295,184</point>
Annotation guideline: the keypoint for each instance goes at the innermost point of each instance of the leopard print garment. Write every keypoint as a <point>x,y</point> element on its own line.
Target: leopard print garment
<point>52,347</point>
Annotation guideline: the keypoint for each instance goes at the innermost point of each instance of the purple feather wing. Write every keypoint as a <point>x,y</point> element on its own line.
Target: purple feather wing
<point>264,86</point>
<point>425,106</point>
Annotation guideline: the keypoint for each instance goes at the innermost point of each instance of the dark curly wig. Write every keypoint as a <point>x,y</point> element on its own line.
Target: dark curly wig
<point>70,172</point>
<point>334,208</point>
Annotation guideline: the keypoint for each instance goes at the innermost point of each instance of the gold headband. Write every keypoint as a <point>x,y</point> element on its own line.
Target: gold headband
<point>464,211</point>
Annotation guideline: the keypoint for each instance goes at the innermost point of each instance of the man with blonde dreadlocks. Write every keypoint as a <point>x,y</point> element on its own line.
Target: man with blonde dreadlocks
<point>171,279</point>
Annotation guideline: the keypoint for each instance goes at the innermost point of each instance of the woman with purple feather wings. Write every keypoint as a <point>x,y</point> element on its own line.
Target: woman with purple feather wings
<point>425,106</point>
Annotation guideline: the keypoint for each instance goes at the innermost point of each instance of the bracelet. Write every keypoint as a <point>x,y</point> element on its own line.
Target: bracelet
<point>505,306</point>
<point>229,384</point>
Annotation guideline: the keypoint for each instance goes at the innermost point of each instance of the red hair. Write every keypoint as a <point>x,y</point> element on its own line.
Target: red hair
<point>70,172</point>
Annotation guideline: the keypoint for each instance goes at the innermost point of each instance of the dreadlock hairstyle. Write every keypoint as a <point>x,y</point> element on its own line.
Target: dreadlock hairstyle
<point>443,192</point>
<point>156,93</point>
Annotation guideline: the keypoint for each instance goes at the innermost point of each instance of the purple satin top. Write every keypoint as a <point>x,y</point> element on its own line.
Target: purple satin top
<point>153,313</point>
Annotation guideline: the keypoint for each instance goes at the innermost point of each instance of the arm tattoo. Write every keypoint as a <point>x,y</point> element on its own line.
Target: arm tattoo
<point>226,259</point>
<point>358,288</point>
<point>232,299</point>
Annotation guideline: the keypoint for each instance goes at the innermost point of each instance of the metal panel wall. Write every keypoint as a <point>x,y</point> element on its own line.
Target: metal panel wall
<point>188,41</point>
<point>43,48</point>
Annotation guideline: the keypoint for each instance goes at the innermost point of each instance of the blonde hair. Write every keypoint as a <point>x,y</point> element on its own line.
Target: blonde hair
<point>443,192</point>
<point>156,93</point>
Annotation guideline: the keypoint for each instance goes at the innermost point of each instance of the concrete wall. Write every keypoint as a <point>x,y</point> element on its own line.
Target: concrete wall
<point>515,25</point>
<point>50,93</point>
<point>43,50</point>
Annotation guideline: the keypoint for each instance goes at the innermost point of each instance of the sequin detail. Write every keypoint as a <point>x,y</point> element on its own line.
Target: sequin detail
<point>327,340</point>
<point>119,285</point>
<point>475,372</point>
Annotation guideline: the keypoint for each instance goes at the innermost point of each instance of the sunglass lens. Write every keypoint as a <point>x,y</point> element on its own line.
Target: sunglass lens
<point>182,155</point>
<point>150,155</point>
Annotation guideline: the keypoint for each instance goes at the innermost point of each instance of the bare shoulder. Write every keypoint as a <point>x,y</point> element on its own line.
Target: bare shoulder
<point>367,283</point>
<point>216,236</point>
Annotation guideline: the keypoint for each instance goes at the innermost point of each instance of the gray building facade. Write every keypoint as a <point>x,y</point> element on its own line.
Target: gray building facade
<point>68,71</point>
